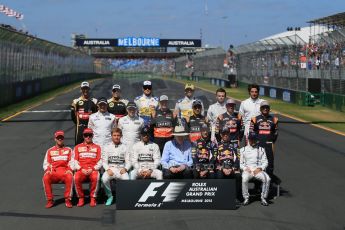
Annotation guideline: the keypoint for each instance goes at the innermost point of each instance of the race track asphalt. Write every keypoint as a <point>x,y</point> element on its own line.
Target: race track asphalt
<point>310,162</point>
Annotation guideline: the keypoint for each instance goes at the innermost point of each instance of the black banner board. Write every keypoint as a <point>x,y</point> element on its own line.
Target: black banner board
<point>96,42</point>
<point>180,42</point>
<point>176,194</point>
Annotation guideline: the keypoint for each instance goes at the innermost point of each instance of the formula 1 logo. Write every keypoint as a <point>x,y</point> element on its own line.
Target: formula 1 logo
<point>170,193</point>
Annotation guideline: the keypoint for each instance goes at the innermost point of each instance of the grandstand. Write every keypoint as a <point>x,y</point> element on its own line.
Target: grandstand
<point>143,65</point>
<point>288,59</point>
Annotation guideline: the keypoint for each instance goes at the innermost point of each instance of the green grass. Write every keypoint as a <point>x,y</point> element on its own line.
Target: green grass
<point>318,114</point>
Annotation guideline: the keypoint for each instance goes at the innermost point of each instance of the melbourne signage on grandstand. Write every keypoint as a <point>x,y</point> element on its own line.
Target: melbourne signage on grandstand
<point>139,42</point>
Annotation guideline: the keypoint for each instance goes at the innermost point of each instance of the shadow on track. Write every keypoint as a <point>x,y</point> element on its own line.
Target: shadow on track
<point>61,217</point>
<point>38,120</point>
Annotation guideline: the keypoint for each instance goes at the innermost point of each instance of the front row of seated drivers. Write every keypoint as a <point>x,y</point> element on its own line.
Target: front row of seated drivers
<point>181,159</point>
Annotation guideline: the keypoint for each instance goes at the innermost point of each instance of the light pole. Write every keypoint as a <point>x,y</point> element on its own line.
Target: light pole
<point>295,29</point>
<point>223,32</point>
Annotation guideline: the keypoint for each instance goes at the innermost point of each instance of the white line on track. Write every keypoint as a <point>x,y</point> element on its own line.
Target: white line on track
<point>47,111</point>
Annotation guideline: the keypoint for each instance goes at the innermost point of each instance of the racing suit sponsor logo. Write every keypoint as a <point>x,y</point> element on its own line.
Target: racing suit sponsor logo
<point>60,158</point>
<point>87,155</point>
<point>145,157</point>
<point>163,132</point>
<point>54,153</point>
<point>111,104</point>
<point>82,149</point>
<point>187,113</point>
<point>80,103</point>
<point>116,159</point>
<point>264,128</point>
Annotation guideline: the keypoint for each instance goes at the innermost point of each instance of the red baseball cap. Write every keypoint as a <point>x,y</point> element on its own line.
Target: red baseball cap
<point>88,130</point>
<point>59,133</point>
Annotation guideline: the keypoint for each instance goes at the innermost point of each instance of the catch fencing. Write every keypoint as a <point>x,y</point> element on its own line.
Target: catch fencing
<point>29,66</point>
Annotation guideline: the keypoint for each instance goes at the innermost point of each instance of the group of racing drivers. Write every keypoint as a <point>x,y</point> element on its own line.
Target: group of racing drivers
<point>143,138</point>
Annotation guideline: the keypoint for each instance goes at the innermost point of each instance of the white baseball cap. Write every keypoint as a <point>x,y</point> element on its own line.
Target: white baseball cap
<point>163,98</point>
<point>116,87</point>
<point>147,83</point>
<point>264,103</point>
<point>85,84</point>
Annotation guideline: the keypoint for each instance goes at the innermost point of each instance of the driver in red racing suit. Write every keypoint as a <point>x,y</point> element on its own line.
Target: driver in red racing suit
<point>57,168</point>
<point>87,163</point>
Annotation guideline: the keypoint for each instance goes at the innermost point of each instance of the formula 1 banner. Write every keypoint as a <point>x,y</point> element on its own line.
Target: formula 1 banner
<point>138,42</point>
<point>176,194</point>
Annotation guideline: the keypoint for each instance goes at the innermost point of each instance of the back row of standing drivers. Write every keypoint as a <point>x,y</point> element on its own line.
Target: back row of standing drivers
<point>253,116</point>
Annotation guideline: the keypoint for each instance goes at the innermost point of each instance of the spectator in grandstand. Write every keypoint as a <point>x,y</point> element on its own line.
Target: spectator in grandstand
<point>337,62</point>
<point>81,109</point>
<point>227,161</point>
<point>102,123</point>
<point>176,158</point>
<point>250,107</point>
<point>317,62</point>
<point>265,126</point>
<point>145,158</point>
<point>116,162</point>
<point>196,121</point>
<point>116,104</point>
<point>87,163</point>
<point>162,123</point>
<point>146,103</point>
<point>131,125</point>
<point>183,107</point>
<point>57,166</point>
<point>253,162</point>
<point>204,152</point>
<point>232,120</point>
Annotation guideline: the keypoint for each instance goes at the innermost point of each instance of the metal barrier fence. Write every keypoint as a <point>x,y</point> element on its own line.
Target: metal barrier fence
<point>292,65</point>
<point>208,64</point>
<point>29,66</point>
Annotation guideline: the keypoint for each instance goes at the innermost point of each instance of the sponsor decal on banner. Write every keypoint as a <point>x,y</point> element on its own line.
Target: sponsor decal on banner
<point>273,93</point>
<point>176,194</point>
<point>95,42</point>
<point>262,91</point>
<point>181,42</point>
<point>287,96</point>
<point>138,42</point>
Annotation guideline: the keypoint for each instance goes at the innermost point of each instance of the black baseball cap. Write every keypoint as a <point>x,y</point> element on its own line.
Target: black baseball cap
<point>102,100</point>
<point>132,105</point>
<point>145,130</point>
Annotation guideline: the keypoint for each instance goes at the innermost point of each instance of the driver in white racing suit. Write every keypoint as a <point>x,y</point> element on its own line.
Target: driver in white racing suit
<point>116,162</point>
<point>250,107</point>
<point>146,158</point>
<point>131,125</point>
<point>102,123</point>
<point>253,162</point>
